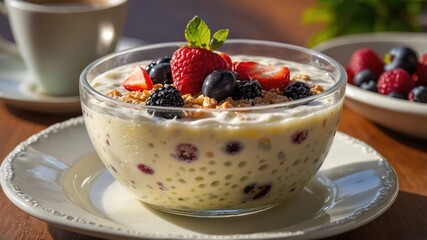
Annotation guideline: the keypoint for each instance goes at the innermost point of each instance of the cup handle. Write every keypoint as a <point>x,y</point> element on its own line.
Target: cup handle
<point>7,46</point>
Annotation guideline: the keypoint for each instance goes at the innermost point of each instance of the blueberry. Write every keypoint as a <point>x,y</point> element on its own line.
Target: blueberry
<point>363,76</point>
<point>401,57</point>
<point>397,95</point>
<point>370,86</point>
<point>219,84</point>
<point>150,66</point>
<point>163,60</point>
<point>419,94</point>
<point>161,73</point>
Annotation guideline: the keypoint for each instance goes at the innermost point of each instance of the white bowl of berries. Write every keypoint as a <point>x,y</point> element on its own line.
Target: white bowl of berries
<point>387,78</point>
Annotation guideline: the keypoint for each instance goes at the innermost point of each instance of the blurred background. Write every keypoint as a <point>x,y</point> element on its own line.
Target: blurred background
<point>276,20</point>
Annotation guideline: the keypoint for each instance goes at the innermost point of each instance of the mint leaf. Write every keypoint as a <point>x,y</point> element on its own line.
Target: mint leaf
<point>218,39</point>
<point>197,33</point>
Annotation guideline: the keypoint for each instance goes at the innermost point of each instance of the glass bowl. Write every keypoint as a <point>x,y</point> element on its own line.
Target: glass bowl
<point>214,162</point>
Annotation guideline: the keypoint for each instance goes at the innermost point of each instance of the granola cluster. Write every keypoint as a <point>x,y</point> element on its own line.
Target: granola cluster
<point>272,96</point>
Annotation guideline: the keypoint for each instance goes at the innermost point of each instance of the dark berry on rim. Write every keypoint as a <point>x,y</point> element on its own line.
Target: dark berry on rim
<point>219,84</point>
<point>167,96</point>
<point>418,94</point>
<point>401,57</point>
<point>297,90</point>
<point>161,73</point>
<point>247,90</point>
<point>397,95</point>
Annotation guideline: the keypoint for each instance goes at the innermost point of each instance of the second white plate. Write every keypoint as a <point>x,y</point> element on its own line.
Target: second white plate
<point>56,176</point>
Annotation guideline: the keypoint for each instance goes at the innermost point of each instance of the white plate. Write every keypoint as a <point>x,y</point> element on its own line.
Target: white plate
<point>400,115</point>
<point>56,176</point>
<point>15,91</point>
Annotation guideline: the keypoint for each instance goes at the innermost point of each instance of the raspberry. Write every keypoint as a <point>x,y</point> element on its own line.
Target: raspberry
<point>247,90</point>
<point>396,80</point>
<point>366,58</point>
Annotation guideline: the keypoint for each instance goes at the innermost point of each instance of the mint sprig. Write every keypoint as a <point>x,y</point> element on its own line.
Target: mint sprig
<point>198,35</point>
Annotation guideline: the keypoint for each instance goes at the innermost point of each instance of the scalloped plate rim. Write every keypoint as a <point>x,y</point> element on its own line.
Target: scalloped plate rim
<point>74,223</point>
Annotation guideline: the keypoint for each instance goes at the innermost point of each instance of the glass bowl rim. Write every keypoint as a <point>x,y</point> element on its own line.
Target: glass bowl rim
<point>331,90</point>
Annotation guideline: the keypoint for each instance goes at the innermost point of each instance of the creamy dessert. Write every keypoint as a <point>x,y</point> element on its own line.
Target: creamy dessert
<point>218,155</point>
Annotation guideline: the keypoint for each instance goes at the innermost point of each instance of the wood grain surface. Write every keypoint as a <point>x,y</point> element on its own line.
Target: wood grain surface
<point>277,20</point>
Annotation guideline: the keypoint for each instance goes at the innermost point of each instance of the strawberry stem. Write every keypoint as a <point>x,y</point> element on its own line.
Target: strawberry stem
<point>198,35</point>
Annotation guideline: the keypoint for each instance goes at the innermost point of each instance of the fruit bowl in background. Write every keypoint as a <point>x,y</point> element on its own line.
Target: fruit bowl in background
<point>403,116</point>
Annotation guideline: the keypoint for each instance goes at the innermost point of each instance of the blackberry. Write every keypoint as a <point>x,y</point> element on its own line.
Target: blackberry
<point>297,90</point>
<point>167,96</point>
<point>247,90</point>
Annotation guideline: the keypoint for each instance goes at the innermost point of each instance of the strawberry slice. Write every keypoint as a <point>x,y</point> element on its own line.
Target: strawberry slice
<point>268,76</point>
<point>226,58</point>
<point>138,80</point>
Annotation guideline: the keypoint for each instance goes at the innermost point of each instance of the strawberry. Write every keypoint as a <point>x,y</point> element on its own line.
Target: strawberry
<point>267,75</point>
<point>366,58</point>
<point>191,63</point>
<point>226,58</point>
<point>421,72</point>
<point>138,80</point>
<point>396,80</point>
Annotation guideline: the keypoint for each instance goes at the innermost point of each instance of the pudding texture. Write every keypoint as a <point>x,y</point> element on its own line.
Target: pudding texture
<point>227,159</point>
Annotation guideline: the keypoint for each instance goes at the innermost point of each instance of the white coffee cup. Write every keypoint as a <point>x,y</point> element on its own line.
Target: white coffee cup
<point>57,39</point>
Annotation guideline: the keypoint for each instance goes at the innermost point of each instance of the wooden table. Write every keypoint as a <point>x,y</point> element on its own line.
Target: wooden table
<point>407,217</point>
